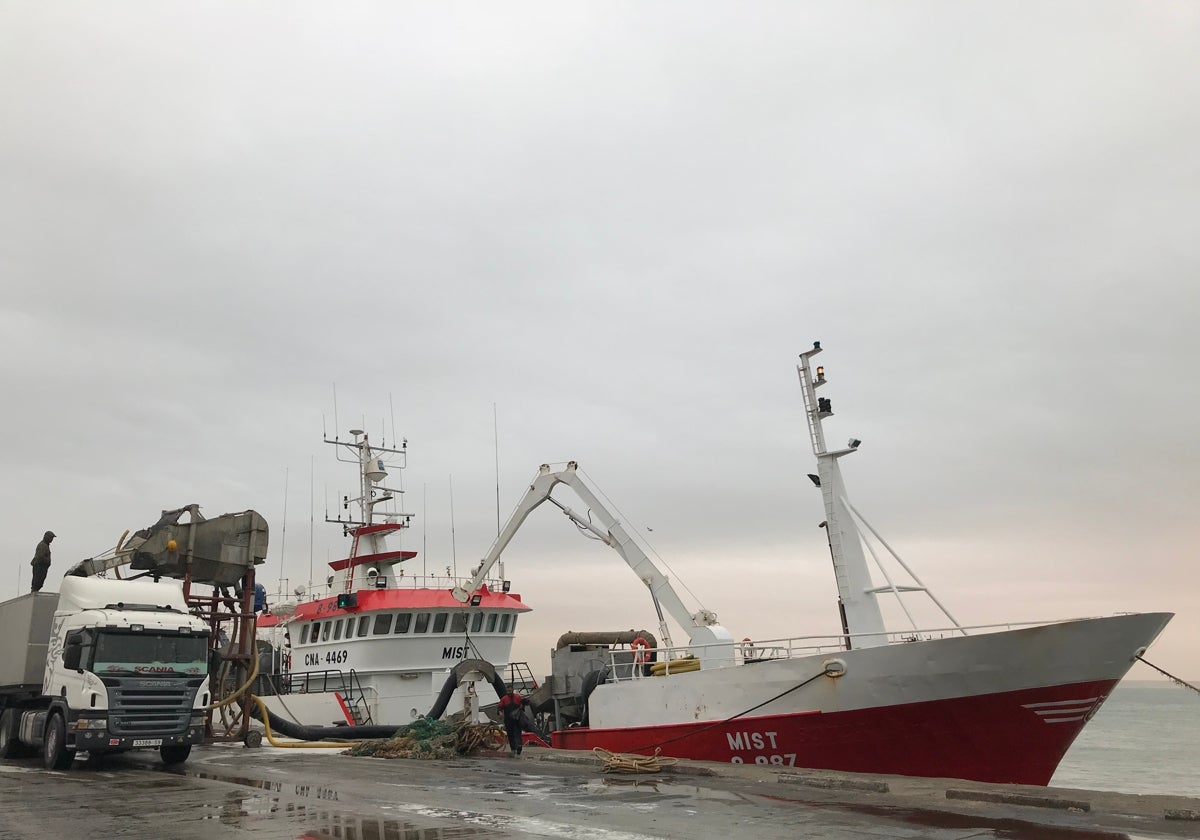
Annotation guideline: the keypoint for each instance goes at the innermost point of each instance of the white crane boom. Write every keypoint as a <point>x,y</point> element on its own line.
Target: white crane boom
<point>709,641</point>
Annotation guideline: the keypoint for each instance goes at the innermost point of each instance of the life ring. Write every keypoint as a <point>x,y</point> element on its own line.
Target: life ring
<point>641,651</point>
<point>748,651</point>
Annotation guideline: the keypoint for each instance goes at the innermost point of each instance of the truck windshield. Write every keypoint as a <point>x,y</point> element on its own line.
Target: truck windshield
<point>148,653</point>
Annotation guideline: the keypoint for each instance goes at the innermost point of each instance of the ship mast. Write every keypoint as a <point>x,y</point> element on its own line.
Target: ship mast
<point>861,616</point>
<point>372,470</point>
<point>862,621</point>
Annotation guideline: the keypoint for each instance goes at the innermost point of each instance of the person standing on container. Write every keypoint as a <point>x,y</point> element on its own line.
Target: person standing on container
<point>41,561</point>
<point>512,707</point>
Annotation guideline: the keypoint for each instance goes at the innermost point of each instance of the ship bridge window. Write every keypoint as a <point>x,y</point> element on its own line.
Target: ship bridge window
<point>325,630</point>
<point>362,625</point>
<point>304,634</point>
<point>504,619</point>
<point>458,622</point>
<point>512,628</point>
<point>491,625</point>
<point>422,623</point>
<point>439,623</point>
<point>337,629</point>
<point>403,620</point>
<point>383,624</point>
<point>477,622</point>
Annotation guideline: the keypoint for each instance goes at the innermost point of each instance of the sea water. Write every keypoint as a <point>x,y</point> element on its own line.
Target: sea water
<point>1144,739</point>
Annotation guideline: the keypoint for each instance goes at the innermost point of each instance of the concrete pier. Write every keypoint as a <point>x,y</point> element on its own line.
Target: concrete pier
<point>233,792</point>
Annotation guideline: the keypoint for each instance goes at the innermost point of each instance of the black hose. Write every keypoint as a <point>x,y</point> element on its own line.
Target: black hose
<point>590,680</point>
<point>456,673</point>
<point>321,733</point>
<point>352,733</point>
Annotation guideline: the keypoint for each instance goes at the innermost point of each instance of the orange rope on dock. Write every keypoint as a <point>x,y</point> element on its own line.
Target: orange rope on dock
<point>624,763</point>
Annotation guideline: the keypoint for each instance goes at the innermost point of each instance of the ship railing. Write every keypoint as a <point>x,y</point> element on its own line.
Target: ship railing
<point>348,685</point>
<point>627,664</point>
<point>521,678</point>
<point>356,700</point>
<point>797,646</point>
<point>406,581</point>
<point>316,682</point>
<point>428,581</point>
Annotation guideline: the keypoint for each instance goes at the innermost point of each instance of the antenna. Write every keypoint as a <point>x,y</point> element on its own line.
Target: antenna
<point>496,435</point>
<point>336,427</point>
<point>453,549</point>
<point>392,408</point>
<point>312,508</point>
<point>283,536</point>
<point>310,564</point>
<point>424,531</point>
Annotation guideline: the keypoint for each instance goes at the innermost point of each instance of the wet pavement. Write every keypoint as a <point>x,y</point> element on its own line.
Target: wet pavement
<point>231,792</point>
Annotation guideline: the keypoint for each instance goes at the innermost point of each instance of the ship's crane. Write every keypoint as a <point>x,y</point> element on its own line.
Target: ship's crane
<point>708,640</point>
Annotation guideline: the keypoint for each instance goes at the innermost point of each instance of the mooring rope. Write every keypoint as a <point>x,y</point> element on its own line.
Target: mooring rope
<point>1171,677</point>
<point>621,763</point>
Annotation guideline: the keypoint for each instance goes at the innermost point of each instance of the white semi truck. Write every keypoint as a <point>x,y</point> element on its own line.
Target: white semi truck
<point>102,666</point>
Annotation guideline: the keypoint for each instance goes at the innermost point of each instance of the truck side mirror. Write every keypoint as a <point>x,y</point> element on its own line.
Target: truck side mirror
<point>71,656</point>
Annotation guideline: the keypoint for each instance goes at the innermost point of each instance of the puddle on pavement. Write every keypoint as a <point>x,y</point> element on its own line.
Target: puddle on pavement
<point>640,790</point>
<point>315,820</point>
<point>160,784</point>
<point>309,807</point>
<point>664,788</point>
<point>1002,828</point>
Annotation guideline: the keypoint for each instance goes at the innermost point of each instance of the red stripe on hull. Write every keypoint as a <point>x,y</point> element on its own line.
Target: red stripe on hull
<point>987,738</point>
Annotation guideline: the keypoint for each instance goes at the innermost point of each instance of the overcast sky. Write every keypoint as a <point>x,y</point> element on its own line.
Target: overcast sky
<point>615,225</point>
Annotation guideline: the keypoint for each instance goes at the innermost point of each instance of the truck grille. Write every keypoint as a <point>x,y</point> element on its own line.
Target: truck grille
<point>138,706</point>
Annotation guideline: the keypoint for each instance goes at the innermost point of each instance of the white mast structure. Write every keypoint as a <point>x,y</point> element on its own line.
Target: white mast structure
<point>370,535</point>
<point>862,619</point>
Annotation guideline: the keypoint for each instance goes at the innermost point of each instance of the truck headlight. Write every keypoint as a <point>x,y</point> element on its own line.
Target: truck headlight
<point>91,723</point>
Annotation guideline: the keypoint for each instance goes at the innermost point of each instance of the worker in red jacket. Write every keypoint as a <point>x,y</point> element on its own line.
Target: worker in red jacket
<point>512,708</point>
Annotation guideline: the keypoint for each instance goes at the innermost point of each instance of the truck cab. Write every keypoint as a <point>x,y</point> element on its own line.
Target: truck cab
<point>125,666</point>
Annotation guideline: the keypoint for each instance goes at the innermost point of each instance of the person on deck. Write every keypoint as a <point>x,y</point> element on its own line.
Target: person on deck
<point>41,561</point>
<point>512,708</point>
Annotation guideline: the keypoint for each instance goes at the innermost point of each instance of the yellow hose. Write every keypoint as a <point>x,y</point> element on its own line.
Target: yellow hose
<point>218,704</point>
<point>262,710</point>
<point>675,666</point>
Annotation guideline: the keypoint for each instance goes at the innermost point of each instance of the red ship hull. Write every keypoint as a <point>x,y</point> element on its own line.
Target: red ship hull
<point>989,738</point>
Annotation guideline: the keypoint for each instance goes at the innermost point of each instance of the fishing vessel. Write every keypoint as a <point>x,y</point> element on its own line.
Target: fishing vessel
<point>376,643</point>
<point>988,703</point>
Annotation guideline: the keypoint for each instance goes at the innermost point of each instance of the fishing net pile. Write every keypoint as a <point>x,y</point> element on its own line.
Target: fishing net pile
<point>432,739</point>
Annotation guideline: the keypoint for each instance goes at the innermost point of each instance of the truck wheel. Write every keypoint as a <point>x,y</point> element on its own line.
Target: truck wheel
<point>55,755</point>
<point>10,747</point>
<point>175,753</point>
